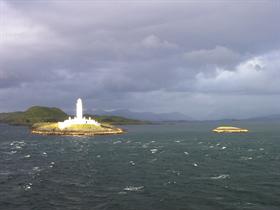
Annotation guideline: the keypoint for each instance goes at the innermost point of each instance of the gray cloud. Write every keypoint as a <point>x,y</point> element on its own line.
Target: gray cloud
<point>146,56</point>
<point>218,56</point>
<point>258,75</point>
<point>153,41</point>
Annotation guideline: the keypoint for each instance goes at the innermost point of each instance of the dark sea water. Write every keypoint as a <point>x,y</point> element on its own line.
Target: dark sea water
<point>183,166</point>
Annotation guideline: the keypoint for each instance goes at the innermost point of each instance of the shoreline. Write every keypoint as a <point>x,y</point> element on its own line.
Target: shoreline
<point>77,133</point>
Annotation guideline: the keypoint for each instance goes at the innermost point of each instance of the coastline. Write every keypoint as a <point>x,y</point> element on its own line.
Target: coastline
<point>77,133</point>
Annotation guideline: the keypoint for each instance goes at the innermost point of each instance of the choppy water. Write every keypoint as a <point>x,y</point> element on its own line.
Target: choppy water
<point>151,167</point>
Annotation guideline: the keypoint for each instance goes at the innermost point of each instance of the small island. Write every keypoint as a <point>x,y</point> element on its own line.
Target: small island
<point>75,130</point>
<point>229,129</point>
<point>79,125</point>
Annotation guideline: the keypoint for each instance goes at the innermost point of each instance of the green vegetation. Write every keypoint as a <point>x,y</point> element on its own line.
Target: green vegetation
<point>33,115</point>
<point>45,126</point>
<point>40,114</point>
<point>117,120</point>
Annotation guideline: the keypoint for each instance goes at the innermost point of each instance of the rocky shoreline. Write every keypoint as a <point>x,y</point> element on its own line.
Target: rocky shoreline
<point>77,130</point>
<point>74,133</point>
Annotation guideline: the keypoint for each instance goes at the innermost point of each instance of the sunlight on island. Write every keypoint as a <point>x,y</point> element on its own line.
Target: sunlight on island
<point>229,129</point>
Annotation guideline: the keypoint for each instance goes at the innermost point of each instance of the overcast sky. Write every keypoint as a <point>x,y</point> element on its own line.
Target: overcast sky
<point>206,59</point>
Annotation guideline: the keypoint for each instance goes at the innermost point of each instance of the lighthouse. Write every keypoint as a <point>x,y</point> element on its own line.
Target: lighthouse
<point>79,119</point>
<point>79,109</point>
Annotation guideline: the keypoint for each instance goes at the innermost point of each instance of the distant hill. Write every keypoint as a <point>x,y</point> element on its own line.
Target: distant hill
<point>117,120</point>
<point>150,116</point>
<point>33,115</point>
<point>37,114</point>
<point>275,117</point>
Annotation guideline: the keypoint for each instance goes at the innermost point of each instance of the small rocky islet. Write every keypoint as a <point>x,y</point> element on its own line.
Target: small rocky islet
<point>229,129</point>
<point>79,125</point>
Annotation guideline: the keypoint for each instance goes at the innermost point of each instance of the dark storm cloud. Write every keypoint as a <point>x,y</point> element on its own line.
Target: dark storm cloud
<point>146,56</point>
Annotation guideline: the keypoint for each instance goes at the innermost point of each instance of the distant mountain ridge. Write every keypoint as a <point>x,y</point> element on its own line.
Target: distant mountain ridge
<point>177,117</point>
<point>150,116</point>
<point>268,117</point>
<point>118,117</point>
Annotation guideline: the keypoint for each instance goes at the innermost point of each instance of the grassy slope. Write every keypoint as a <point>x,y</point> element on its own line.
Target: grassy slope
<point>34,114</point>
<point>54,126</point>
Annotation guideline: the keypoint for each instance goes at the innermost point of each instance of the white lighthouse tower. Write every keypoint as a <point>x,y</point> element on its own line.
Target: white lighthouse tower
<point>79,109</point>
<point>79,119</point>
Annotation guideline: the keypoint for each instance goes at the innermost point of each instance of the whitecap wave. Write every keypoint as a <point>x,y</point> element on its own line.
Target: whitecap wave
<point>36,169</point>
<point>27,187</point>
<point>154,150</point>
<point>44,154</point>
<point>17,145</point>
<point>153,160</point>
<point>132,163</point>
<point>222,176</point>
<point>51,164</point>
<point>246,158</point>
<point>133,188</point>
